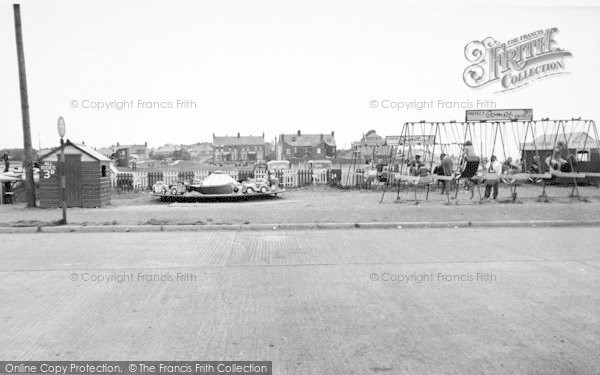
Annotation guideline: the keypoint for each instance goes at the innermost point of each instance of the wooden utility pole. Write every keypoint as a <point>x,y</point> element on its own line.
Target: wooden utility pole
<point>28,151</point>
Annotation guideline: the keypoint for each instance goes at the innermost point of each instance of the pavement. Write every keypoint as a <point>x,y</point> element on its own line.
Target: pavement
<point>314,207</point>
<point>394,301</point>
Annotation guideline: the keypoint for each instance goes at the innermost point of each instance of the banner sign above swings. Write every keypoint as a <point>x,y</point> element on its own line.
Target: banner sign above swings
<point>410,140</point>
<point>495,115</point>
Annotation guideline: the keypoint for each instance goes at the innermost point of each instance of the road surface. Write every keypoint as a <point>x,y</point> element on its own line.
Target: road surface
<point>315,302</point>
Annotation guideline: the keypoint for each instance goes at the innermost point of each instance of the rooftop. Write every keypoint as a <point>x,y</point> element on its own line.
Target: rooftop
<point>308,139</point>
<point>578,140</point>
<point>239,140</point>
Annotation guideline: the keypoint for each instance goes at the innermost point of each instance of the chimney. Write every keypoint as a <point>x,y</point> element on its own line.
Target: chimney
<point>299,132</point>
<point>238,134</point>
<point>118,144</point>
<point>332,133</point>
<point>321,137</point>
<point>146,143</point>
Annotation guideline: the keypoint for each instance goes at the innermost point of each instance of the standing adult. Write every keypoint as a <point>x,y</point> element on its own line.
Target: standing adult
<point>447,165</point>
<point>492,167</point>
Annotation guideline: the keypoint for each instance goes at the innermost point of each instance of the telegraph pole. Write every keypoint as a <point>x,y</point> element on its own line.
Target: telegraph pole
<point>63,180</point>
<point>28,151</point>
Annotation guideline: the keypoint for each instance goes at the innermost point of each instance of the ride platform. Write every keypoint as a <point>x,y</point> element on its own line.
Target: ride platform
<point>236,197</point>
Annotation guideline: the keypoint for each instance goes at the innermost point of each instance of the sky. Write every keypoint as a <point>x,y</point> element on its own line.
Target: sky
<point>179,71</point>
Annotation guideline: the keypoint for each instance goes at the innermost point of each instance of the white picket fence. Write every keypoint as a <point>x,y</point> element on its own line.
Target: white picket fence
<point>351,177</point>
<point>289,178</point>
<point>140,180</point>
<point>170,177</point>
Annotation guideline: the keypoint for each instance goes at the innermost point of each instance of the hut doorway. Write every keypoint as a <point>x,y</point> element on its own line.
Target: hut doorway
<point>73,180</point>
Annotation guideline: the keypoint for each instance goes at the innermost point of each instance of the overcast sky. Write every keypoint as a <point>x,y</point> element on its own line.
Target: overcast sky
<point>272,66</point>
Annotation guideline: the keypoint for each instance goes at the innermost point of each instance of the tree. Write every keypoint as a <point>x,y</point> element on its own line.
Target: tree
<point>181,154</point>
<point>156,156</point>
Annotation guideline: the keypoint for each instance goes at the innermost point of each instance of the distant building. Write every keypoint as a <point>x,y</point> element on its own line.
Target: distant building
<point>201,151</point>
<point>270,150</point>
<point>371,147</point>
<point>141,151</point>
<point>408,146</point>
<point>238,149</point>
<point>306,146</point>
<point>165,151</point>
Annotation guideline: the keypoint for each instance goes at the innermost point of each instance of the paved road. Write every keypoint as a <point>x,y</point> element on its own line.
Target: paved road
<point>321,302</point>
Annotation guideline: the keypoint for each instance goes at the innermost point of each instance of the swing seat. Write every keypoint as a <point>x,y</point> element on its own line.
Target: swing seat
<point>420,181</point>
<point>559,174</point>
<point>397,176</point>
<point>486,179</point>
<point>478,178</point>
<point>543,176</point>
<point>515,179</point>
<point>416,180</point>
<point>436,178</point>
<point>491,178</point>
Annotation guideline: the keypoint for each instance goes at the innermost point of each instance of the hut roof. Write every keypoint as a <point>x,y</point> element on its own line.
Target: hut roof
<point>81,147</point>
<point>577,140</point>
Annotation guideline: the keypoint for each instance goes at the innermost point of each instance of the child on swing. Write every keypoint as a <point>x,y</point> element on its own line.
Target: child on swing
<point>560,159</point>
<point>469,165</point>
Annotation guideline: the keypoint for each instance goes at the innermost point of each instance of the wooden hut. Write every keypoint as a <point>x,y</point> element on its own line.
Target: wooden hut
<point>580,144</point>
<point>87,175</point>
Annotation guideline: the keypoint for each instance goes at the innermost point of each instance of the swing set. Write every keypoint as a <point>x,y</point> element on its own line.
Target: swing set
<point>546,151</point>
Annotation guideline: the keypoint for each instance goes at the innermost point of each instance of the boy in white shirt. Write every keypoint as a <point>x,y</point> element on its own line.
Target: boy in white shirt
<point>492,167</point>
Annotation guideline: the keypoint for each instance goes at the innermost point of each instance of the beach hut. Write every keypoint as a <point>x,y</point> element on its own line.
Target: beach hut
<point>87,175</point>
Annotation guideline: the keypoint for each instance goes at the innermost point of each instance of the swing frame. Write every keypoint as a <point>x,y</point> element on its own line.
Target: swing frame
<point>499,130</point>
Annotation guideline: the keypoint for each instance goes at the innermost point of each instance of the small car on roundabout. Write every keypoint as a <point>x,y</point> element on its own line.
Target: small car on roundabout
<point>255,185</point>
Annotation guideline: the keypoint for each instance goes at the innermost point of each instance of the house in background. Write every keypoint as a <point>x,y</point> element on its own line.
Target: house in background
<point>200,151</point>
<point>270,151</point>
<point>306,146</point>
<point>141,151</point>
<point>165,151</point>
<point>371,147</point>
<point>238,149</point>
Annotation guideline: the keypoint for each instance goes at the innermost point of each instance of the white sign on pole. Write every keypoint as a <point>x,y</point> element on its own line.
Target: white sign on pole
<point>61,127</point>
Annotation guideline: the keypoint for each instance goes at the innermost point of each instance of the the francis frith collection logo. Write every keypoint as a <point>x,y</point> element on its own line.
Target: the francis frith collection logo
<point>514,63</point>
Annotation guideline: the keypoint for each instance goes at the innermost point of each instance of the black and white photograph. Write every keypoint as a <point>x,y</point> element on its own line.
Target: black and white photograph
<point>299,187</point>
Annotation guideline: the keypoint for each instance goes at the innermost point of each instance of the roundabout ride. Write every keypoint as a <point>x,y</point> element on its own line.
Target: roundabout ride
<point>219,186</point>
